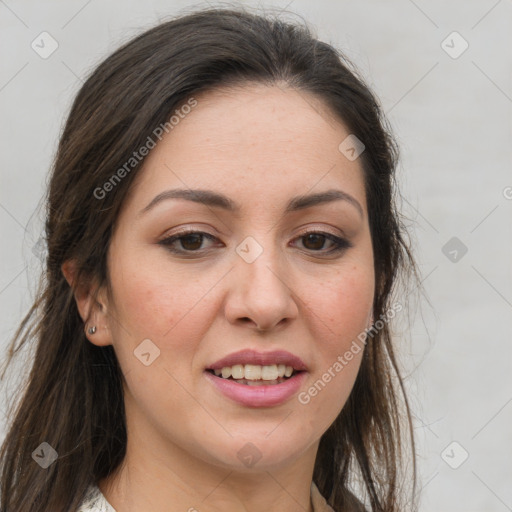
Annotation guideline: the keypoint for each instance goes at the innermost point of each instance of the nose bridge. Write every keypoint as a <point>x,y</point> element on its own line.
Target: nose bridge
<point>260,283</point>
<point>261,260</point>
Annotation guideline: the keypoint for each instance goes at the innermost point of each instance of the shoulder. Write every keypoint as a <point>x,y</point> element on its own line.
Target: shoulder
<point>94,501</point>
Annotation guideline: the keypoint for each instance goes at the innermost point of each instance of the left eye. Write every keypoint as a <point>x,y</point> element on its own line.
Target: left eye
<point>191,241</point>
<point>318,238</point>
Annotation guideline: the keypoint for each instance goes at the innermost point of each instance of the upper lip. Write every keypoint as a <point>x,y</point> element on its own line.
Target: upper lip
<point>249,356</point>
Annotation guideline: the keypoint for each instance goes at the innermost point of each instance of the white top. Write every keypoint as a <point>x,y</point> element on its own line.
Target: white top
<point>96,502</point>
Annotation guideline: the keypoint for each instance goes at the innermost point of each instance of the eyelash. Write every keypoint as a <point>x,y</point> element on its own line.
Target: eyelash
<point>340,244</point>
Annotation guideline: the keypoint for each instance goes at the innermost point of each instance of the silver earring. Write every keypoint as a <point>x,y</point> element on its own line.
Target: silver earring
<point>92,329</point>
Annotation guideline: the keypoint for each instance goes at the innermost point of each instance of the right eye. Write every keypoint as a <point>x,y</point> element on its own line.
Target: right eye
<point>190,241</point>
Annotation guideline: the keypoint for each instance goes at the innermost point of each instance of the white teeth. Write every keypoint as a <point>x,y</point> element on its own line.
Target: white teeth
<point>269,372</point>
<point>237,371</point>
<point>254,372</point>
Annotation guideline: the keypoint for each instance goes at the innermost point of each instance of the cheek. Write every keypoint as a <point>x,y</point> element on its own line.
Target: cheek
<point>342,304</point>
<point>166,307</point>
<point>173,310</point>
<point>150,299</point>
<point>338,313</point>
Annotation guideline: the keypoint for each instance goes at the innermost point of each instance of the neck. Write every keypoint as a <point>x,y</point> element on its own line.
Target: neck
<point>160,476</point>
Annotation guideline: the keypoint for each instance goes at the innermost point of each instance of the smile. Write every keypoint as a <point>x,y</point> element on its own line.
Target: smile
<point>257,392</point>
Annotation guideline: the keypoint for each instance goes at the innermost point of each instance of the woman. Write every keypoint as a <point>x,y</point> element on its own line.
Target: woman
<point>213,329</point>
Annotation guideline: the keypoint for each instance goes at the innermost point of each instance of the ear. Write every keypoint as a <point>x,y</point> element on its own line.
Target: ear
<point>94,312</point>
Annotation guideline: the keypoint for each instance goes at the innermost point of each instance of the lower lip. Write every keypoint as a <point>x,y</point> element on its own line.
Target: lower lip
<point>258,396</point>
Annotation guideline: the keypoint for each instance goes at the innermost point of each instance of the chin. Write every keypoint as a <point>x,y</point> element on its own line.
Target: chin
<point>249,454</point>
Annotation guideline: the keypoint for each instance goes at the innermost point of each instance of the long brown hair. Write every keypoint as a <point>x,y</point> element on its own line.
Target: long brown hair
<point>73,397</point>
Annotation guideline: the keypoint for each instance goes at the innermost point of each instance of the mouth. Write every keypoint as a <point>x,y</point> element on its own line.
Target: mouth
<point>258,379</point>
<point>259,387</point>
<point>256,375</point>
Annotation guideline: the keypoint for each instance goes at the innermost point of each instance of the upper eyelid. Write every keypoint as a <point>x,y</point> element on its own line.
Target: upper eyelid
<point>305,231</point>
<point>331,229</point>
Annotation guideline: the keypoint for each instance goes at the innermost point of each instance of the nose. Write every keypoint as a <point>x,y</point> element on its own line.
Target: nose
<point>261,293</point>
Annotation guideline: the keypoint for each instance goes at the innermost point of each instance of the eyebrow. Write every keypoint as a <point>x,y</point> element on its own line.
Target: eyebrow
<point>215,199</point>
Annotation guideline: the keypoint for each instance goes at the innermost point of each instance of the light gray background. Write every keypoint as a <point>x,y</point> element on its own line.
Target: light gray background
<point>452,117</point>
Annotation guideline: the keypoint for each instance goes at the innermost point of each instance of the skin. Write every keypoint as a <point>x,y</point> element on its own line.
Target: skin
<point>260,146</point>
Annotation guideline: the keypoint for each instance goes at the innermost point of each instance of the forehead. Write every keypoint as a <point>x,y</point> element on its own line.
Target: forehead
<point>261,143</point>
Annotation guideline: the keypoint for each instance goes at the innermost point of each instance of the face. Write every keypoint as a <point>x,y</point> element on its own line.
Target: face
<point>268,275</point>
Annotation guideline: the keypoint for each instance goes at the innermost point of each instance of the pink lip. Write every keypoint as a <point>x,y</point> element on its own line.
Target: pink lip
<point>257,396</point>
<point>249,356</point>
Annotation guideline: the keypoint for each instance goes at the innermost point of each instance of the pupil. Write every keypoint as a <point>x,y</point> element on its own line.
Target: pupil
<point>197,237</point>
<point>318,238</point>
